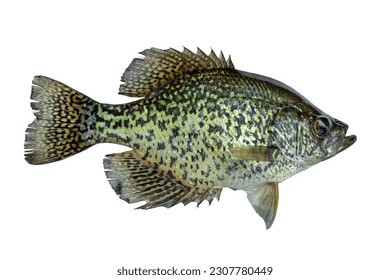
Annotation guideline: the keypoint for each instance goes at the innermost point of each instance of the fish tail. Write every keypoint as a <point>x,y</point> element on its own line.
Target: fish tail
<point>61,128</point>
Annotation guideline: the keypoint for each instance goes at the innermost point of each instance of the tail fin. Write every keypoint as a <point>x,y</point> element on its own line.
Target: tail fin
<point>61,128</point>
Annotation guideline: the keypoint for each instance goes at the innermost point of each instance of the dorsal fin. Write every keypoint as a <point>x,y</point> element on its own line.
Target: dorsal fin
<point>158,67</point>
<point>136,180</point>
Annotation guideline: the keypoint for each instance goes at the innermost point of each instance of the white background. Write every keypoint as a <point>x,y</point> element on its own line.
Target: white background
<point>63,221</point>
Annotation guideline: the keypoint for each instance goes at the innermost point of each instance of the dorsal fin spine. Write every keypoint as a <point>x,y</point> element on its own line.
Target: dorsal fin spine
<point>158,67</point>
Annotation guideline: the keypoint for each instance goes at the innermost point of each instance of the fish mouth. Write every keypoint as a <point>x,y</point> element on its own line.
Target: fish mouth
<point>346,143</point>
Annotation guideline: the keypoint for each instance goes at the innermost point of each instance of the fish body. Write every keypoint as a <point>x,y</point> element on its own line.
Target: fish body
<point>200,126</point>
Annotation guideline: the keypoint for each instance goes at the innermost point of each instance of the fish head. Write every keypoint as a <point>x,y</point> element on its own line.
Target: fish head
<point>309,138</point>
<point>332,135</point>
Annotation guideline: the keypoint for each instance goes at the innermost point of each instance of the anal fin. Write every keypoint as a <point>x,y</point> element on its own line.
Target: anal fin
<point>264,199</point>
<point>136,180</point>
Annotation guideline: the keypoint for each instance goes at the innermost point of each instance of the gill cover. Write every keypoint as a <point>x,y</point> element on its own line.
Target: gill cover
<point>285,130</point>
<point>292,132</point>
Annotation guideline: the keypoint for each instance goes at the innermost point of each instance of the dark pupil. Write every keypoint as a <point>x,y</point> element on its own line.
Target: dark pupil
<point>322,126</point>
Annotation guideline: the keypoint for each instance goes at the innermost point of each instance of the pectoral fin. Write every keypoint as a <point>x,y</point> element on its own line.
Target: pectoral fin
<point>256,153</point>
<point>264,200</point>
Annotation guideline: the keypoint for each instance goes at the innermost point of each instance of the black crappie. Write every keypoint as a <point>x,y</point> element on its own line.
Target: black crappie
<point>201,126</point>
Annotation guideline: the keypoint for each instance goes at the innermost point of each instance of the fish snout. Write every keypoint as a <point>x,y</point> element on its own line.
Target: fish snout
<point>346,141</point>
<point>338,142</point>
<point>341,125</point>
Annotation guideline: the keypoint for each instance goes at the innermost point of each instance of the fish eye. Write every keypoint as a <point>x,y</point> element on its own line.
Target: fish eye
<point>322,125</point>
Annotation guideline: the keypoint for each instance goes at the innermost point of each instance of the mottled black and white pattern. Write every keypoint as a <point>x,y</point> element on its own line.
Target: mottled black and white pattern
<point>200,126</point>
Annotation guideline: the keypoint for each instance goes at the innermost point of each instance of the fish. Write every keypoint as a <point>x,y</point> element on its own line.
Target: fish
<point>198,125</point>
